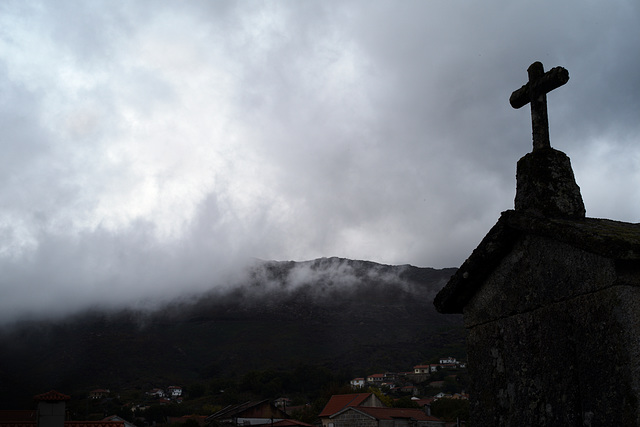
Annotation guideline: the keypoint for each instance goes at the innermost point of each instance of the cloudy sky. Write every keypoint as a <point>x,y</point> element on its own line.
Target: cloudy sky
<point>151,147</point>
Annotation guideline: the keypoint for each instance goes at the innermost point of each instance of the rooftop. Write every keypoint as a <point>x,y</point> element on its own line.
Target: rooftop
<point>52,396</point>
<point>611,239</point>
<point>392,413</point>
<point>340,401</point>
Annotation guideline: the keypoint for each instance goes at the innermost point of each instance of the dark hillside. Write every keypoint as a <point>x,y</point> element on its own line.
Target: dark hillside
<point>349,316</point>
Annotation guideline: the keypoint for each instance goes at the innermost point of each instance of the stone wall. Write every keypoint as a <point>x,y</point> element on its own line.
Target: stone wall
<point>554,331</point>
<point>353,419</point>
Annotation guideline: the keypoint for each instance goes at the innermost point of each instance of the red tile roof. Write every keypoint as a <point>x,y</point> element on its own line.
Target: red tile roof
<point>393,413</point>
<point>340,401</point>
<point>423,402</point>
<point>51,396</point>
<point>94,424</point>
<point>18,418</point>
<point>290,423</point>
<point>17,415</point>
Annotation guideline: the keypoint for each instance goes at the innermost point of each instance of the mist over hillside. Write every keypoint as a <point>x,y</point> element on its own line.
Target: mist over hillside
<point>349,316</point>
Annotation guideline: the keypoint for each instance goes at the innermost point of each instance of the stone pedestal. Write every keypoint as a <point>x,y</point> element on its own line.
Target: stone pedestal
<point>546,185</point>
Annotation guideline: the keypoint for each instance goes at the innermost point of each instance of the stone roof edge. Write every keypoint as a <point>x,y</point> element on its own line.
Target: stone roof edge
<point>608,238</point>
<point>462,285</point>
<point>612,239</point>
<point>352,408</point>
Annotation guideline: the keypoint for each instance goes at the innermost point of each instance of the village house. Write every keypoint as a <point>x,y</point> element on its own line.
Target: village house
<point>98,393</point>
<point>174,391</point>
<point>283,403</point>
<point>460,396</point>
<point>362,416</point>
<point>155,392</point>
<point>422,369</point>
<point>248,414</point>
<point>357,383</point>
<point>340,401</point>
<point>375,379</point>
<point>408,389</point>
<point>379,380</point>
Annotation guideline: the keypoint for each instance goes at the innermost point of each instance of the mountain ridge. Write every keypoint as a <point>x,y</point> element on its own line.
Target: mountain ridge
<point>341,314</point>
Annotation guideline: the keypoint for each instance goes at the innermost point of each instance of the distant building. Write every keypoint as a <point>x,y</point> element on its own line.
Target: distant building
<point>282,402</point>
<point>421,369</point>
<point>174,391</point>
<point>357,383</point>
<point>375,378</point>
<point>411,389</point>
<point>98,393</point>
<point>156,392</point>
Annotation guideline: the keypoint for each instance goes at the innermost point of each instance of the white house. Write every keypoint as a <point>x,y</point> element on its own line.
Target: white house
<point>375,378</point>
<point>357,383</point>
<point>174,391</point>
<point>156,392</point>
<point>421,369</point>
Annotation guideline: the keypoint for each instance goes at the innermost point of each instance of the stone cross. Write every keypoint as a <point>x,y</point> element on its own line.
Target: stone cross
<point>535,92</point>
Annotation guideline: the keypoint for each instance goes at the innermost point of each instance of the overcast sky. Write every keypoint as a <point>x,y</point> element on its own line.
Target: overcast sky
<point>151,147</point>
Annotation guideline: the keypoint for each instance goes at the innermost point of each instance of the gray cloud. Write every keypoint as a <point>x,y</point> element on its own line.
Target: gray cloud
<point>152,148</point>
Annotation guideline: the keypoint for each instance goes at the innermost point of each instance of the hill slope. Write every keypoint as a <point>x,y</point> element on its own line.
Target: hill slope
<point>351,316</point>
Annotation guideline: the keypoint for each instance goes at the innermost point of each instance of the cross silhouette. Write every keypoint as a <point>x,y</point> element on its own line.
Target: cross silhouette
<point>535,92</point>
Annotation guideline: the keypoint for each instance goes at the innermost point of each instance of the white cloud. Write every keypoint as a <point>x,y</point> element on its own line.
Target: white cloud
<point>151,143</point>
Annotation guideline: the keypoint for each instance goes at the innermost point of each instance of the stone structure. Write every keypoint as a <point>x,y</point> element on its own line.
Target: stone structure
<point>551,304</point>
<point>535,93</point>
<point>363,416</point>
<point>52,409</point>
